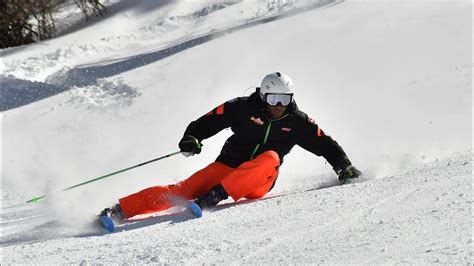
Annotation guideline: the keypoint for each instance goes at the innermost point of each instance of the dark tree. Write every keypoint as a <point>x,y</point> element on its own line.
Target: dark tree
<point>91,7</point>
<point>26,21</point>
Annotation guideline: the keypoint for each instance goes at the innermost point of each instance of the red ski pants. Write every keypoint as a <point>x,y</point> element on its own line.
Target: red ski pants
<point>252,180</point>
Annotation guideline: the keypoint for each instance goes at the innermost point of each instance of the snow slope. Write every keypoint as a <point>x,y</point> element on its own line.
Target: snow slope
<point>389,80</point>
<point>421,215</point>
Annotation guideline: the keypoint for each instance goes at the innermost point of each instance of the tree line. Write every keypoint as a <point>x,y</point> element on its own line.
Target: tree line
<point>26,21</point>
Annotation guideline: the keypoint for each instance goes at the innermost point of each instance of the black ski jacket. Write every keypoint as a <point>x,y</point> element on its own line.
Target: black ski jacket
<point>255,132</point>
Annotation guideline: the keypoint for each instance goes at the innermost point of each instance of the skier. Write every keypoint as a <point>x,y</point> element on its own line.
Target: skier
<point>266,125</point>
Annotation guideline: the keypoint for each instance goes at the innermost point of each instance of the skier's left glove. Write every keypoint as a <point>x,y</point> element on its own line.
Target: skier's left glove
<point>349,173</point>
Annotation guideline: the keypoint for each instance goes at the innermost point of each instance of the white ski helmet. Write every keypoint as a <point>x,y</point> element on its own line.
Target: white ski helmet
<point>276,83</point>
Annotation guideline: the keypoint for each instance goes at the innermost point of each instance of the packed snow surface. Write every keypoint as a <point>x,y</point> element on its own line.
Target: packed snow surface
<point>391,81</point>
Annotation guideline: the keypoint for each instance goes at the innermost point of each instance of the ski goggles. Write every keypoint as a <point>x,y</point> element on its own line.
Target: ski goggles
<point>273,99</point>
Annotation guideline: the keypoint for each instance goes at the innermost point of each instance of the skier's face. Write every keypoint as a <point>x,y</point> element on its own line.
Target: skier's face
<point>276,112</point>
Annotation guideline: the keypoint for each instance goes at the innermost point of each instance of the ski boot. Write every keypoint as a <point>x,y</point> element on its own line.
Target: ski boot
<point>208,200</point>
<point>110,215</point>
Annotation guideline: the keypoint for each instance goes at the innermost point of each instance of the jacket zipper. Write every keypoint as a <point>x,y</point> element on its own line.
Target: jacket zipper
<point>267,132</point>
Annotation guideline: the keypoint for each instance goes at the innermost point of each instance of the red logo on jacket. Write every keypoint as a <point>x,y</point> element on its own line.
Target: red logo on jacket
<point>257,121</point>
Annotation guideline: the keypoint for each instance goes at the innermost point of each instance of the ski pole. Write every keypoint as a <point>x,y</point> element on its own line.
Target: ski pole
<point>36,199</point>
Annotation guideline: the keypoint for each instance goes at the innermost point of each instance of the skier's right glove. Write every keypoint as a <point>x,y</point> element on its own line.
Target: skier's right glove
<point>348,173</point>
<point>189,146</point>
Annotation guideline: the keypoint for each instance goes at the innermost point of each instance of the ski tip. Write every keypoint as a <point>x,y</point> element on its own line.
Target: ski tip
<point>195,209</point>
<point>107,223</point>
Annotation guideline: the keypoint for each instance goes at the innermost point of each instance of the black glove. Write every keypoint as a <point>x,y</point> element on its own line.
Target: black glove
<point>189,145</point>
<point>349,173</point>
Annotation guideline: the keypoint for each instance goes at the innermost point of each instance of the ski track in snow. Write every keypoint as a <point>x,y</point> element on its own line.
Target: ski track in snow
<point>387,220</point>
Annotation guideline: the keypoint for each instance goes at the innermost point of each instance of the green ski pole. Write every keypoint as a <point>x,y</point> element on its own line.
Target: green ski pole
<point>36,199</point>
